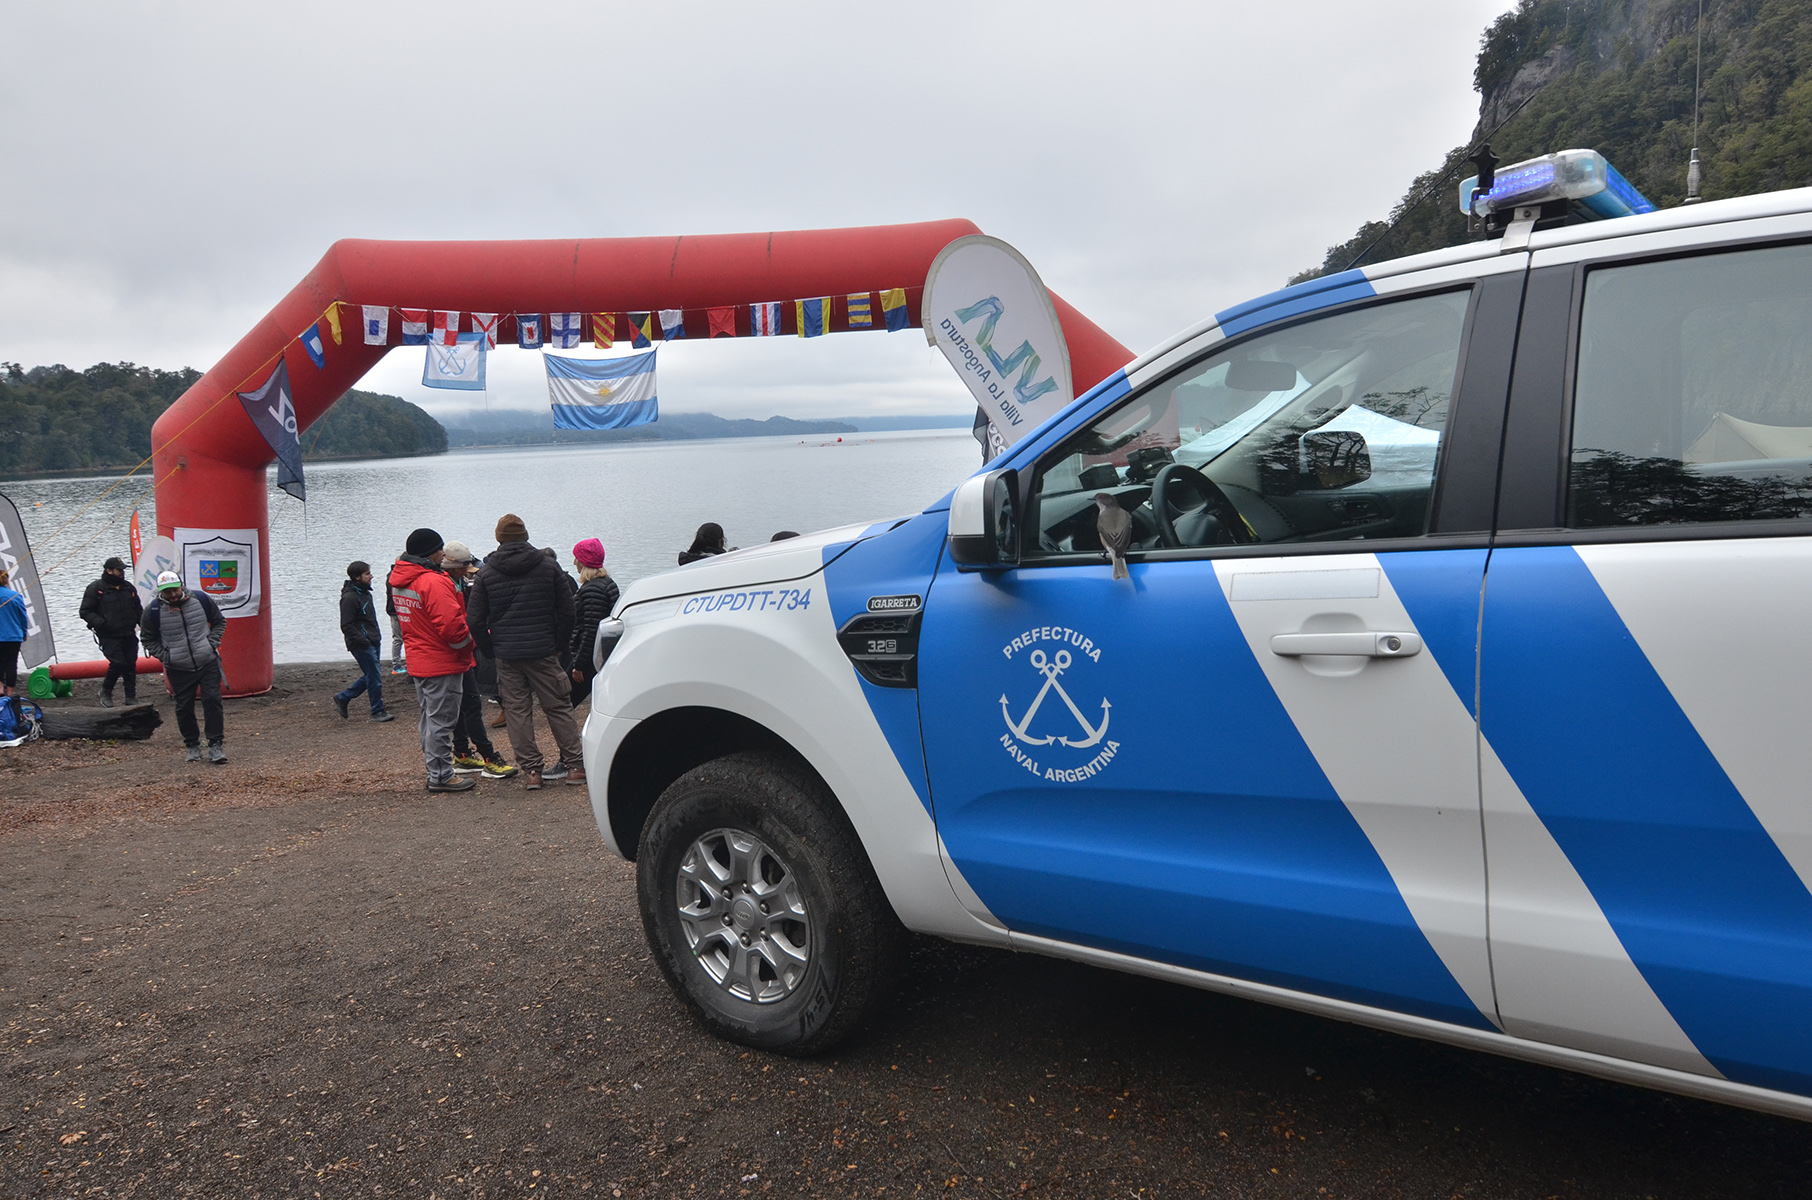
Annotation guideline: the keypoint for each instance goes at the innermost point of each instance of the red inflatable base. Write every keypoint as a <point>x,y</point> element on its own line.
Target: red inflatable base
<point>97,669</point>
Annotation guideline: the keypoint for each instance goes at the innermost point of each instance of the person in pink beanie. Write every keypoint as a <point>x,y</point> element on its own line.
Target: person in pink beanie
<point>596,600</point>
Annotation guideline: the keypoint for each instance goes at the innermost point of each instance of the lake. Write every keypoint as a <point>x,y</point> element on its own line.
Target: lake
<point>644,501</point>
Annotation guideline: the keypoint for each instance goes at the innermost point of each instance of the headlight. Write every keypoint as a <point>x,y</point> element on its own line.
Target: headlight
<point>610,631</point>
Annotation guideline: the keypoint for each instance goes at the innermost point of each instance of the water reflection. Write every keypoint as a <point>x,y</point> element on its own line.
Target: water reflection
<point>643,501</point>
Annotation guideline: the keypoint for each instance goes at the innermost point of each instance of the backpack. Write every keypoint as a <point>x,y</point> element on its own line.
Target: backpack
<point>19,720</point>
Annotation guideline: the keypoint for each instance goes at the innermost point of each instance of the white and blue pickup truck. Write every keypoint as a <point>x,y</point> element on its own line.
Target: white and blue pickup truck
<point>1461,685</point>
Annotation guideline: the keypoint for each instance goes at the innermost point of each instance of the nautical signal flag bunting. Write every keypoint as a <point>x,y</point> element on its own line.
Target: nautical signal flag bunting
<point>893,305</point>
<point>812,317</point>
<point>602,393</point>
<point>564,329</point>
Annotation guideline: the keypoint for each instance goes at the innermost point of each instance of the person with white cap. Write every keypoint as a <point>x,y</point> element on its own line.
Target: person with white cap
<point>472,748</point>
<point>182,630</point>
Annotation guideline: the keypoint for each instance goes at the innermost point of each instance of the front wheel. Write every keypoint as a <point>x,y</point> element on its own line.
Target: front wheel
<point>761,906</point>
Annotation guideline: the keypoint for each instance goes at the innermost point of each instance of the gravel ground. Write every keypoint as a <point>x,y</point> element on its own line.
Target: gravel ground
<point>299,975</point>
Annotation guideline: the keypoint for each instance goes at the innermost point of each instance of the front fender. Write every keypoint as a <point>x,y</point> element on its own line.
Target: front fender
<point>776,662</point>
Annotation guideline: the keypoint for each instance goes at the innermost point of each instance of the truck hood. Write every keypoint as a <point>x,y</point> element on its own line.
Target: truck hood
<point>768,562</point>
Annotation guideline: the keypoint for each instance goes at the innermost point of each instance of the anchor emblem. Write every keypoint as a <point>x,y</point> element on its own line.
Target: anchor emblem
<point>1051,668</point>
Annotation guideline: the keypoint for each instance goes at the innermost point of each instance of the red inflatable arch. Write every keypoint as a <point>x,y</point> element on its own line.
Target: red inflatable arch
<point>210,459</point>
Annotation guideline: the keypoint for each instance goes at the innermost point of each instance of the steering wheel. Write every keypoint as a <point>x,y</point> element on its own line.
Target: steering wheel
<point>1214,522</point>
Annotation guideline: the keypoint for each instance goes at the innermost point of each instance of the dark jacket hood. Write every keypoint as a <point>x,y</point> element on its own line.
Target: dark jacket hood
<point>515,559</point>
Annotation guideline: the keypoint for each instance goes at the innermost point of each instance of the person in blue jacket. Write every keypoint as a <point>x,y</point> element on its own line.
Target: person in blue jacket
<point>12,634</point>
<point>359,625</point>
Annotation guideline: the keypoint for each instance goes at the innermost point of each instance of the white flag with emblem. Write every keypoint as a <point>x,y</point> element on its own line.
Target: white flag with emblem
<point>459,367</point>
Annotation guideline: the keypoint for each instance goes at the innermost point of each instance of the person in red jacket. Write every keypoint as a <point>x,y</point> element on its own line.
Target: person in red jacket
<point>439,650</point>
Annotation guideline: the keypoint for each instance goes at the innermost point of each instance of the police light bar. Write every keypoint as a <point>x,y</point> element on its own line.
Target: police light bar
<point>1582,176</point>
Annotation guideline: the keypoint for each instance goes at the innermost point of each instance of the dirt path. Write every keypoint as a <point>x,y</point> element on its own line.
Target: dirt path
<point>299,975</point>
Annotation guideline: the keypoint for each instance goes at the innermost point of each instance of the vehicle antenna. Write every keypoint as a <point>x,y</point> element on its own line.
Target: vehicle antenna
<point>1693,174</point>
<point>1483,145</point>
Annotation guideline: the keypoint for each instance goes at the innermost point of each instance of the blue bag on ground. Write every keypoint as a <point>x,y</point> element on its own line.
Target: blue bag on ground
<point>18,720</point>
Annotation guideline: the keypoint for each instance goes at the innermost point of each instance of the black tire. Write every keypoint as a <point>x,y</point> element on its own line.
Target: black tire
<point>854,941</point>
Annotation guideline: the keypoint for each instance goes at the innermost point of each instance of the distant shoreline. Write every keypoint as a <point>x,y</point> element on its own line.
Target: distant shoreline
<point>845,435</point>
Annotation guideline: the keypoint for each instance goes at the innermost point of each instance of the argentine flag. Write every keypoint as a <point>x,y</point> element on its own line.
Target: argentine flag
<point>602,393</point>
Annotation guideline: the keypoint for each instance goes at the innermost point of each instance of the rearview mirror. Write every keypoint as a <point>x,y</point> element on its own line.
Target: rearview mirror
<point>1260,375</point>
<point>984,521</point>
<point>1335,458</point>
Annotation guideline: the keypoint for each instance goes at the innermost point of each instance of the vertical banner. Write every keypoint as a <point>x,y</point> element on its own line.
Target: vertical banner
<point>157,556</point>
<point>987,310</point>
<point>138,538</point>
<point>272,411</point>
<point>222,564</point>
<point>15,559</point>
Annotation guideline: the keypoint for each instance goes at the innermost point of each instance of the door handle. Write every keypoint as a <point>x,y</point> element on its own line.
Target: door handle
<point>1365,644</point>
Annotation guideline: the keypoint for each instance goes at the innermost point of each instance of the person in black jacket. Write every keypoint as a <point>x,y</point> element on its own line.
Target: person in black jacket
<point>359,625</point>
<point>521,614</point>
<point>111,610</point>
<point>469,731</point>
<point>596,600</point>
<point>708,541</point>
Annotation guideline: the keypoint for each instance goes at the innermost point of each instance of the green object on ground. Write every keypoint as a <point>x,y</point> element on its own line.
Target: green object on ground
<point>40,686</point>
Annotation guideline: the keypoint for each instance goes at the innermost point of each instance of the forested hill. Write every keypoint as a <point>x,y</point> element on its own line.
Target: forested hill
<point>57,419</point>
<point>1617,76</point>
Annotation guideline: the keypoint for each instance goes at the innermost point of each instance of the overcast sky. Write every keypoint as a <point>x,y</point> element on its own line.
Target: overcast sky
<point>168,172</point>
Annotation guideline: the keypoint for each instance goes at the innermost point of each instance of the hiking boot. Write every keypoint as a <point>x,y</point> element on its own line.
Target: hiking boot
<point>192,753</point>
<point>454,784</point>
<point>531,780</point>
<point>575,777</point>
<point>106,699</point>
<point>557,771</point>
<point>342,703</point>
<point>499,721</point>
<point>381,717</point>
<point>216,753</point>
<point>496,768</point>
<point>466,764</point>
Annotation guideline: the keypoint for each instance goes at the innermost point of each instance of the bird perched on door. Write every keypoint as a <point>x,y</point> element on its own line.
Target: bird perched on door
<point>1115,528</point>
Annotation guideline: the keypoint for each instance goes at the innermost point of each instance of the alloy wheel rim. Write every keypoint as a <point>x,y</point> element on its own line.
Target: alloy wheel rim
<point>744,919</point>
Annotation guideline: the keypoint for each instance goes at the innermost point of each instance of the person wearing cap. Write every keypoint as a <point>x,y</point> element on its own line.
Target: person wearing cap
<point>439,650</point>
<point>359,626</point>
<point>469,734</point>
<point>522,615</point>
<point>111,609</point>
<point>182,630</point>
<point>596,600</point>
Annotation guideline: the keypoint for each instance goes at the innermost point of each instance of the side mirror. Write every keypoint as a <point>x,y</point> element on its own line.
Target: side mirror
<point>1335,458</point>
<point>610,632</point>
<point>984,521</point>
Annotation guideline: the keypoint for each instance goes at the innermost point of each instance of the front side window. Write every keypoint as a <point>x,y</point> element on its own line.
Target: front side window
<point>1693,400</point>
<point>1327,430</point>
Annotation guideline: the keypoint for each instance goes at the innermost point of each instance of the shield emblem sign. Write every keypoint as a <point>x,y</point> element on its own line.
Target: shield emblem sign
<point>223,566</point>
